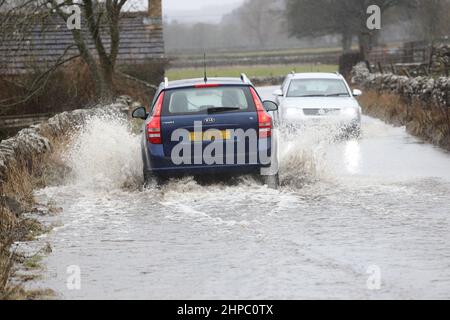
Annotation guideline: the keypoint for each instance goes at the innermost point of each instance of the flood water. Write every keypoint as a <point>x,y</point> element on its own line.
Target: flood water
<point>346,208</point>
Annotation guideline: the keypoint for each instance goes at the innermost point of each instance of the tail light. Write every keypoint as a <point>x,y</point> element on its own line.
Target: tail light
<point>264,119</point>
<point>154,125</point>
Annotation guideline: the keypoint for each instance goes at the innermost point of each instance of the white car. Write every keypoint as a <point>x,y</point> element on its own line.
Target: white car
<point>319,98</point>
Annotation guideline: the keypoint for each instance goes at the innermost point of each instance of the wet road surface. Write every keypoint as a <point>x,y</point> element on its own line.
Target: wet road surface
<point>345,209</point>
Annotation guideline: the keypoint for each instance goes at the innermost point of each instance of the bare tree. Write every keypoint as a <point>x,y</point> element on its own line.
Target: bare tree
<point>348,18</point>
<point>258,19</point>
<point>431,18</point>
<point>18,19</point>
<point>97,16</point>
<point>101,26</point>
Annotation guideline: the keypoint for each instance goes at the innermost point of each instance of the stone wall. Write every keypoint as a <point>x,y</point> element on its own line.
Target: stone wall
<point>440,60</point>
<point>24,159</point>
<point>424,102</point>
<point>263,59</point>
<point>424,89</point>
<point>268,81</point>
<point>36,140</point>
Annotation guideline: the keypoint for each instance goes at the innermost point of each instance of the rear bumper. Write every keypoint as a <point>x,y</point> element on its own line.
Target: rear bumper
<point>204,170</point>
<point>157,163</point>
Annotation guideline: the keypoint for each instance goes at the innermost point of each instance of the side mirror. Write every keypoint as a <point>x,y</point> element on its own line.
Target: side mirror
<point>357,93</point>
<point>270,105</point>
<point>140,113</point>
<point>278,93</point>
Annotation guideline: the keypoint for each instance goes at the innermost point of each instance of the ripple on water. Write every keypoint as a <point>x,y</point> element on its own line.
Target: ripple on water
<point>313,238</point>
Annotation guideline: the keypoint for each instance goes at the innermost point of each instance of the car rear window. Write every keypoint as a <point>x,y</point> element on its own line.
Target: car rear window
<point>189,101</point>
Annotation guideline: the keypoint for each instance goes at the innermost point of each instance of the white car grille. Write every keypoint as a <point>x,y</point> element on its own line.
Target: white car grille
<point>321,111</point>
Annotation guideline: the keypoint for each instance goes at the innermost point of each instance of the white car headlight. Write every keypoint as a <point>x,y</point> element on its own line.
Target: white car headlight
<point>349,112</point>
<point>294,112</point>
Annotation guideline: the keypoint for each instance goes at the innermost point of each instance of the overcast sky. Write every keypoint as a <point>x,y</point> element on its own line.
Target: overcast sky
<point>194,10</point>
<point>173,5</point>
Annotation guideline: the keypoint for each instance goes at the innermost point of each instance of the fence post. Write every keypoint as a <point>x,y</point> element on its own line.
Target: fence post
<point>430,62</point>
<point>368,66</point>
<point>380,67</point>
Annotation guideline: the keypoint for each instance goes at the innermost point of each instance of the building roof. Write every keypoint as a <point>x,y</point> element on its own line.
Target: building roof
<point>41,49</point>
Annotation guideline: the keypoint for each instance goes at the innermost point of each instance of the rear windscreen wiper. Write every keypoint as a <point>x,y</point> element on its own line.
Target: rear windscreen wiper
<point>221,109</point>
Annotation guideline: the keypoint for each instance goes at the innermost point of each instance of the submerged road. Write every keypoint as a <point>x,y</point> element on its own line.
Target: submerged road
<point>363,219</point>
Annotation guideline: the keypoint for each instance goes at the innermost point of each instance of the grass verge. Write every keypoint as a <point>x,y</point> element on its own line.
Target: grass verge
<point>16,198</point>
<point>251,71</point>
<point>428,122</point>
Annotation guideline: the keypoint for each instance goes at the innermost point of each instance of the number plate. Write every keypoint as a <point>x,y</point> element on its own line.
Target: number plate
<point>210,135</point>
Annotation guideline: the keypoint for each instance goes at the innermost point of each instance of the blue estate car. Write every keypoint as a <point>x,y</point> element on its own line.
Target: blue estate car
<point>197,127</point>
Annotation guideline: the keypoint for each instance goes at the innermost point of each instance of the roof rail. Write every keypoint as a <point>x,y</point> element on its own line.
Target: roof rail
<point>166,82</point>
<point>245,79</point>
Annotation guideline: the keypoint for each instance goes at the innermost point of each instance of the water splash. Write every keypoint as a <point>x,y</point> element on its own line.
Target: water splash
<point>303,153</point>
<point>105,154</point>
